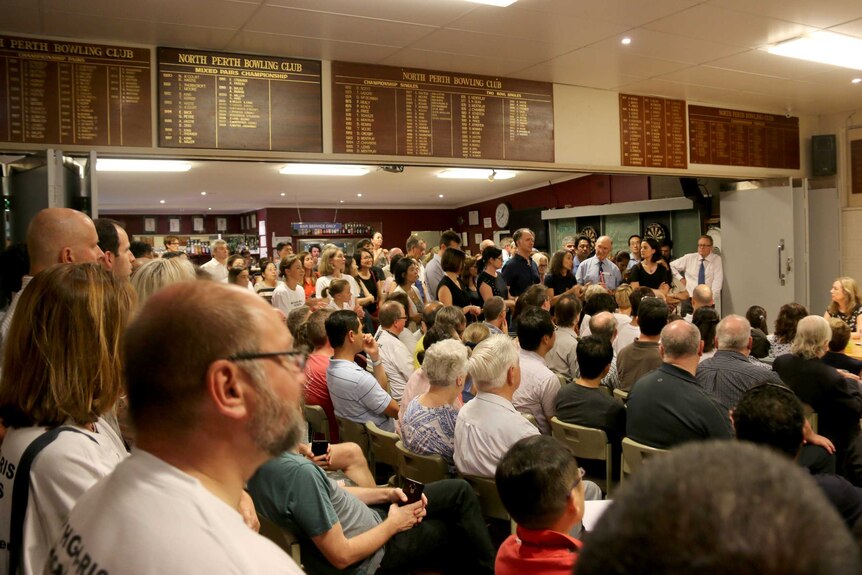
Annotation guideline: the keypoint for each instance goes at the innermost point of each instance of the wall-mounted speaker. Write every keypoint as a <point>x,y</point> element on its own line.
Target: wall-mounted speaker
<point>823,156</point>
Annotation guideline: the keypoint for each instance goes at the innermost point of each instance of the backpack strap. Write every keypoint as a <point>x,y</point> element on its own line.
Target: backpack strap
<point>21,491</point>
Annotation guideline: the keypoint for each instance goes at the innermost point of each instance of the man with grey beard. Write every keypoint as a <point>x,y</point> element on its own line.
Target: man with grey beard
<point>223,398</point>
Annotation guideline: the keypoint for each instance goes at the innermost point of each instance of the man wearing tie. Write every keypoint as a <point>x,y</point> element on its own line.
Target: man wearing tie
<point>702,267</point>
<point>599,269</point>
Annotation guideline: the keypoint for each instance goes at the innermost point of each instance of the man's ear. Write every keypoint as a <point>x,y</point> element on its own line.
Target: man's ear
<point>227,387</point>
<point>66,255</point>
<point>110,258</point>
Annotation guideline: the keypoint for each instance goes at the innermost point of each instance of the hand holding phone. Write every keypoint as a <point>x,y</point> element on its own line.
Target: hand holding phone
<point>413,490</point>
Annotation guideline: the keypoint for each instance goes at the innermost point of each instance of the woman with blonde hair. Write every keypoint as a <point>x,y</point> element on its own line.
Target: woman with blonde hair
<point>331,266</point>
<point>156,274</point>
<point>62,379</point>
<point>846,304</point>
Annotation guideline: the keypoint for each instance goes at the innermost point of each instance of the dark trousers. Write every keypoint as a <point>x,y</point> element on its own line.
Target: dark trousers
<point>452,535</point>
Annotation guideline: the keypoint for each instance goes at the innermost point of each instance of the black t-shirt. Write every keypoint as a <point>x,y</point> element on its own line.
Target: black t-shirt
<point>459,296</point>
<point>520,274</point>
<point>591,407</point>
<point>560,284</point>
<point>498,284</point>
<point>371,285</point>
<point>654,281</point>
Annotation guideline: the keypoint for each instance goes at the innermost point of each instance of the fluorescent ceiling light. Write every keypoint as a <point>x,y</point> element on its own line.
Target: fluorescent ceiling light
<point>324,170</point>
<point>115,165</point>
<point>474,174</point>
<point>823,47</point>
<point>500,3</point>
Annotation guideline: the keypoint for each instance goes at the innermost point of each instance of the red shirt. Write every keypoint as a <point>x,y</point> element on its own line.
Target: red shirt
<point>538,552</point>
<point>317,392</point>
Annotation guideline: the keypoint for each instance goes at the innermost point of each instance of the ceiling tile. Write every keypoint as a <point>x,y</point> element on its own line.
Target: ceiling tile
<point>729,79</point>
<point>312,48</point>
<point>817,14</point>
<point>762,62</point>
<point>664,46</point>
<point>853,28</point>
<point>212,13</point>
<point>566,32</point>
<point>744,30</point>
<point>618,11</point>
<point>309,24</point>
<point>487,46</point>
<point>429,12</point>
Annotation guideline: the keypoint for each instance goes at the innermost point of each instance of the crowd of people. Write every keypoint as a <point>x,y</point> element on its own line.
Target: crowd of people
<point>146,401</point>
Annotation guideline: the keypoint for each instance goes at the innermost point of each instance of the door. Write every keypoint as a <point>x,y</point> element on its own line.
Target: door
<point>758,243</point>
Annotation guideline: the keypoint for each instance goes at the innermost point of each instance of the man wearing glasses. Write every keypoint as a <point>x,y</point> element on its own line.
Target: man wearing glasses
<point>222,400</point>
<point>397,359</point>
<point>356,394</point>
<point>701,268</point>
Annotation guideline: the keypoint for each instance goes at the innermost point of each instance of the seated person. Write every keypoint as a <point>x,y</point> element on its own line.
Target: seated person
<point>681,501</point>
<point>372,530</point>
<point>428,427</point>
<point>396,357</point>
<point>562,358</point>
<point>418,382</point>
<point>771,415</point>
<point>356,395</point>
<point>836,357</point>
<point>539,385</point>
<point>642,356</point>
<point>583,403</point>
<point>313,332</point>
<point>540,485</point>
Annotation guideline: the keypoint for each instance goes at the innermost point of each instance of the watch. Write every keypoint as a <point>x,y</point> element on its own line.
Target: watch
<point>501,214</point>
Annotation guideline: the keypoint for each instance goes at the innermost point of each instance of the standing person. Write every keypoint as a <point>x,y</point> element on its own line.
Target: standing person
<point>217,266</point>
<point>380,255</point>
<point>405,273</point>
<point>283,249</point>
<point>331,266</point>
<point>521,271</point>
<point>239,277</point>
<point>52,381</point>
<point>846,304</point>
<point>309,275</point>
<point>702,267</point>
<point>449,289</point>
<point>468,275</point>
<point>415,249</point>
<point>582,252</point>
<point>224,400</point>
<point>599,269</point>
<point>434,269</point>
<point>269,281</point>
<point>114,243</point>
<point>650,272</point>
<point>289,295</point>
<point>172,243</point>
<point>490,282</point>
<point>560,280</point>
<point>369,284</point>
<point>635,243</point>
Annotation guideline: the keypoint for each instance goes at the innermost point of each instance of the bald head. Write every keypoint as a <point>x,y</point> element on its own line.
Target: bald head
<point>61,235</point>
<point>680,340</point>
<point>486,244</point>
<point>734,333</point>
<point>604,324</point>
<point>701,296</point>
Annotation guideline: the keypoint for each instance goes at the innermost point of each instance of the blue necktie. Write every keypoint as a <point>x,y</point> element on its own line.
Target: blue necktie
<point>601,271</point>
<point>701,274</point>
<point>421,290</point>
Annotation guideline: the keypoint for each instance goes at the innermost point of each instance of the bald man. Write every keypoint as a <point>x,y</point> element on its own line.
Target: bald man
<point>55,236</point>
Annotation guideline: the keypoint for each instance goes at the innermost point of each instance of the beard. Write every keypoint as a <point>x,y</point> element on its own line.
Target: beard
<point>276,426</point>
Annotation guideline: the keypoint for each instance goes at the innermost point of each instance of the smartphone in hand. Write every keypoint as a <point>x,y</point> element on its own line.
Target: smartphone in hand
<point>319,447</point>
<point>412,489</point>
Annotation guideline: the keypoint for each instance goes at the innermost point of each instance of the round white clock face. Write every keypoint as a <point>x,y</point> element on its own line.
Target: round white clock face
<point>501,215</point>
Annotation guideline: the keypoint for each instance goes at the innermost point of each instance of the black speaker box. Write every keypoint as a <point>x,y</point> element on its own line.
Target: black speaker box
<point>823,156</point>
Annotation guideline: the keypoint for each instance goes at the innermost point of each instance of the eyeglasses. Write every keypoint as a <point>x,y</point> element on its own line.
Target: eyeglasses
<point>296,357</point>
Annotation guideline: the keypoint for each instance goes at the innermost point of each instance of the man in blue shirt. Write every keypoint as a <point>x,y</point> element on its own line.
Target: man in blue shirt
<point>520,272</point>
<point>599,269</point>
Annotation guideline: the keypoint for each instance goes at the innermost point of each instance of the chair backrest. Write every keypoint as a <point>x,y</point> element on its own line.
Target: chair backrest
<point>586,443</point>
<point>355,432</point>
<point>621,395</point>
<point>810,415</point>
<point>489,499</point>
<point>635,455</point>
<point>286,540</point>
<point>317,420</point>
<point>422,468</point>
<point>383,445</point>
<point>532,419</point>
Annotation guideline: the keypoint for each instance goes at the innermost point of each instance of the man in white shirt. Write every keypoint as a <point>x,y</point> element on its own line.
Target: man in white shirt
<point>489,425</point>
<point>701,267</point>
<point>397,359</point>
<point>562,359</point>
<point>537,394</point>
<point>434,269</point>
<point>223,400</point>
<point>217,266</point>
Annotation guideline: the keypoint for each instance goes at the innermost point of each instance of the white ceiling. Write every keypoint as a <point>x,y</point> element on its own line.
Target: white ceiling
<point>701,50</point>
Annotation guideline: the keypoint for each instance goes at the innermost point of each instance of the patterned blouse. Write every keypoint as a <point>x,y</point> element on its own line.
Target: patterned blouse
<point>848,318</point>
<point>429,430</point>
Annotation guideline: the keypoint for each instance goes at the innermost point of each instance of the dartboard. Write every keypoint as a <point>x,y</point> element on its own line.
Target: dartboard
<point>590,233</point>
<point>655,231</point>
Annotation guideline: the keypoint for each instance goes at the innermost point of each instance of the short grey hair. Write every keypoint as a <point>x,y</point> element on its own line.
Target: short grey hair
<point>491,361</point>
<point>812,337</point>
<point>445,361</point>
<point>733,332</point>
<point>680,339</point>
<point>156,274</point>
<point>603,324</point>
<point>218,244</point>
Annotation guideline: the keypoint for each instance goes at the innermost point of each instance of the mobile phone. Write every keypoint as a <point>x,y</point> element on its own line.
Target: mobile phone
<point>319,447</point>
<point>413,490</point>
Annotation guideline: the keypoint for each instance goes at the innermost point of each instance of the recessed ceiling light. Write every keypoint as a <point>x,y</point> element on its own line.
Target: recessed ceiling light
<point>358,195</point>
<point>209,208</point>
<point>823,47</point>
<point>626,41</point>
<point>474,174</point>
<point>282,193</point>
<point>440,195</point>
<point>340,201</point>
<point>324,170</point>
<point>161,201</point>
<point>856,81</point>
<point>117,165</point>
<point>203,193</point>
<point>500,3</point>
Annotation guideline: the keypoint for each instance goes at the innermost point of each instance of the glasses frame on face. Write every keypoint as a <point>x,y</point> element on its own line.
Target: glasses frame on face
<point>297,357</point>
